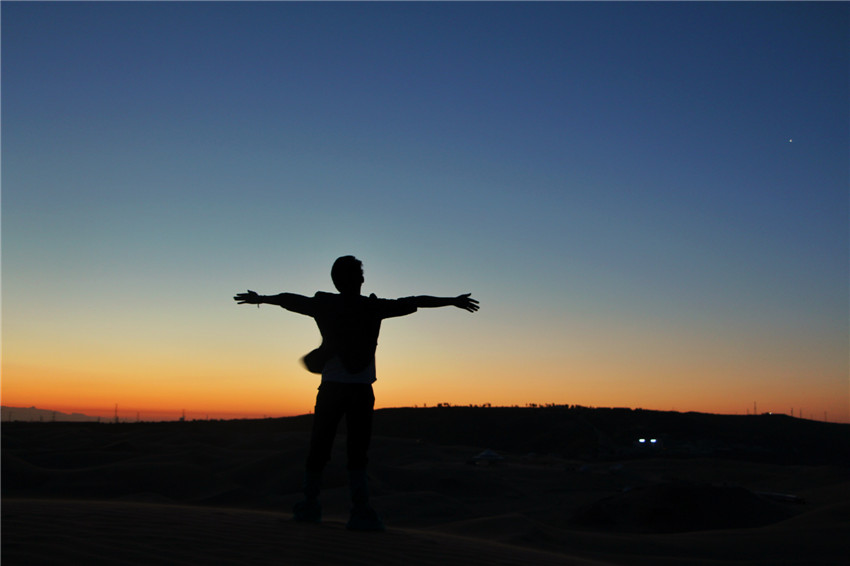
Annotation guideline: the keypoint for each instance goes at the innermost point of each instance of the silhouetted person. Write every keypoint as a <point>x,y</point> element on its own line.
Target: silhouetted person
<point>349,324</point>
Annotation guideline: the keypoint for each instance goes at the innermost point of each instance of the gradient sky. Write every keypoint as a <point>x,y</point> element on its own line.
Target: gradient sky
<point>649,200</point>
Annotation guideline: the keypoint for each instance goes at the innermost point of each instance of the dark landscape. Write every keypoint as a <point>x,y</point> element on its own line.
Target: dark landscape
<point>455,485</point>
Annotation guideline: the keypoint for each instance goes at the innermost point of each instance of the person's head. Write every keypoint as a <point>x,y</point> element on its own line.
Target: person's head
<point>347,274</point>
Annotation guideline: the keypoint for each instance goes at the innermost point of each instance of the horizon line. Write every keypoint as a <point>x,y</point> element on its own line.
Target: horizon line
<point>181,415</point>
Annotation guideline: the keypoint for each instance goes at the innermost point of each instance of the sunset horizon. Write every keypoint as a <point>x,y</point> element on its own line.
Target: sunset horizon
<point>131,414</point>
<point>649,200</point>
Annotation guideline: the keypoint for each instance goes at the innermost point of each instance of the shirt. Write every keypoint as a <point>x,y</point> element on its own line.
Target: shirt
<point>350,326</point>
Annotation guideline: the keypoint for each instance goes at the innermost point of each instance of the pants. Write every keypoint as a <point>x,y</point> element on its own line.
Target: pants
<point>354,400</point>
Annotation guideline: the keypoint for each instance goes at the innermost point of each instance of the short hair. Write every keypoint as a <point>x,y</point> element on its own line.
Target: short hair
<point>347,273</point>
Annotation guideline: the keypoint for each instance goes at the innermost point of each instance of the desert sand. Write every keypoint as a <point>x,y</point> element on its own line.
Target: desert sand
<point>574,486</point>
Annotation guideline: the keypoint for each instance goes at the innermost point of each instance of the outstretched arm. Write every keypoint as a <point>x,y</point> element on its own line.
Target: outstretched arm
<point>464,302</point>
<point>289,301</point>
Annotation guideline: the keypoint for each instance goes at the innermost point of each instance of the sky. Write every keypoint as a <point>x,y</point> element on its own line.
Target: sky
<point>650,201</point>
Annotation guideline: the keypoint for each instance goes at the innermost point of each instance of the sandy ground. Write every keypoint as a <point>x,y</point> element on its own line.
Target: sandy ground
<point>62,532</point>
<point>96,532</point>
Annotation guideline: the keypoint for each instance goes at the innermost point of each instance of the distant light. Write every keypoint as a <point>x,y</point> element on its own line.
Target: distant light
<point>642,440</point>
<point>653,441</point>
<point>789,141</point>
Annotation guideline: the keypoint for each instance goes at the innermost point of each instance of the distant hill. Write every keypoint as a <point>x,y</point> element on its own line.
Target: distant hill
<point>569,432</point>
<point>31,414</point>
<point>602,433</point>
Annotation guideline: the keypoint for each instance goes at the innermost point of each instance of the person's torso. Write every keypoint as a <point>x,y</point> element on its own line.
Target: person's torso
<point>350,326</point>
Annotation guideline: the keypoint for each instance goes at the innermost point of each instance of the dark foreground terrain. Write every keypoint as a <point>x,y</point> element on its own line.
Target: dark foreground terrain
<point>558,486</point>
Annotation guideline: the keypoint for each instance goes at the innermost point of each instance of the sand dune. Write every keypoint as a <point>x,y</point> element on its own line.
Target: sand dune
<point>85,532</point>
<point>97,532</point>
<point>220,493</point>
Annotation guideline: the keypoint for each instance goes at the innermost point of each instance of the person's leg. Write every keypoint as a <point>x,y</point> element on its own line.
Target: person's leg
<point>330,406</point>
<point>359,423</point>
<point>326,416</point>
<point>358,418</point>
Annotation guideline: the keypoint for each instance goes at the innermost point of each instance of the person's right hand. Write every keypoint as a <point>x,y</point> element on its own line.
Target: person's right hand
<point>250,298</point>
<point>466,302</point>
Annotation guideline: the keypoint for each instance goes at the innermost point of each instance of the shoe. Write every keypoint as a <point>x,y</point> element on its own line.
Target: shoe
<point>308,511</point>
<point>364,518</point>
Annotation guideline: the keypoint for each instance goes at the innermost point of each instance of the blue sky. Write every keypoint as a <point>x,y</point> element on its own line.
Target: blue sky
<point>618,184</point>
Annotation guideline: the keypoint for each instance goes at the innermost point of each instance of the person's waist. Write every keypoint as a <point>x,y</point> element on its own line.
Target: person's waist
<point>335,371</point>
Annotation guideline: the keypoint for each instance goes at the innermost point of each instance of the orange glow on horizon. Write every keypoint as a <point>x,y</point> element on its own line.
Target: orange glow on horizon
<point>255,395</point>
<point>420,364</point>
